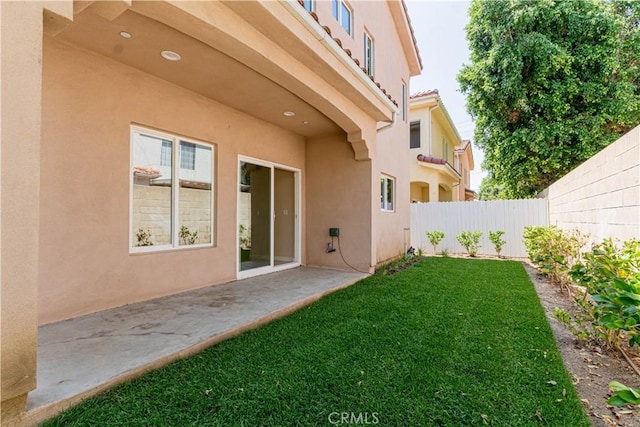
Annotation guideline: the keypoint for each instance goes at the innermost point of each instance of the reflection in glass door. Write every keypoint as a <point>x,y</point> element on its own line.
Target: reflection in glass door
<point>255,216</point>
<point>284,221</point>
<point>267,217</point>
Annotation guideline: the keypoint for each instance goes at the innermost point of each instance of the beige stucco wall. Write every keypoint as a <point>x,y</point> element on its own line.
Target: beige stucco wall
<point>392,149</point>
<point>89,103</point>
<point>339,194</point>
<point>602,196</point>
<point>21,35</point>
<point>65,185</point>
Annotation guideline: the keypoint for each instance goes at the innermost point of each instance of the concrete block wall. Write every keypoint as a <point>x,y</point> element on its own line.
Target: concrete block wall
<point>601,197</point>
<point>152,212</point>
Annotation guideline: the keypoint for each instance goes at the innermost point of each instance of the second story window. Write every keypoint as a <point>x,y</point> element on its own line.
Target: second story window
<point>368,54</point>
<point>404,102</point>
<point>309,5</point>
<point>342,13</point>
<point>445,150</point>
<point>414,135</point>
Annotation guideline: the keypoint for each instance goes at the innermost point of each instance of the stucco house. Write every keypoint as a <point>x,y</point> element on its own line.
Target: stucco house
<point>440,162</point>
<point>464,164</point>
<point>145,144</point>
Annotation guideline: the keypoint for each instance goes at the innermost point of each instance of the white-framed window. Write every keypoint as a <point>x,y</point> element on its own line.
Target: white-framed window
<point>310,5</point>
<point>368,53</point>
<point>387,193</point>
<point>414,134</point>
<point>404,102</point>
<point>445,150</point>
<point>343,14</point>
<point>171,191</point>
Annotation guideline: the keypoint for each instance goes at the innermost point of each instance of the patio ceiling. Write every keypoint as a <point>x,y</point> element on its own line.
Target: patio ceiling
<point>201,69</point>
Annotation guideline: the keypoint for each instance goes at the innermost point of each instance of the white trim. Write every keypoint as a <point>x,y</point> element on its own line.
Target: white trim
<point>369,58</point>
<point>388,178</point>
<point>242,274</point>
<point>175,188</point>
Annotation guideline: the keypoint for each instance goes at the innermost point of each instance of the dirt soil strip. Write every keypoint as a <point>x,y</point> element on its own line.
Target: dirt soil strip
<point>590,366</point>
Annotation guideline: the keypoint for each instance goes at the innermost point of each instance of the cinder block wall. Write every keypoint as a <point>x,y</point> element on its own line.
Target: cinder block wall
<point>602,196</point>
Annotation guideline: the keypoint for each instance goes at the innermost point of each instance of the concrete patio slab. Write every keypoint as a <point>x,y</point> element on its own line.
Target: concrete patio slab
<point>81,357</point>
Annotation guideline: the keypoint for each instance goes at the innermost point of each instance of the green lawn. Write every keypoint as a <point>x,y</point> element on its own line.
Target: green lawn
<point>452,342</point>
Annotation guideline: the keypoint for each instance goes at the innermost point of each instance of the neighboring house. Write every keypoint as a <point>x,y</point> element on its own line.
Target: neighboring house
<point>150,148</point>
<point>435,170</point>
<point>464,164</point>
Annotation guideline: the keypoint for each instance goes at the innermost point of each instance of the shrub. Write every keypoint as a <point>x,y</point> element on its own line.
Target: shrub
<point>470,240</point>
<point>143,237</point>
<point>554,251</point>
<point>435,237</point>
<point>610,275</point>
<point>496,239</point>
<point>187,237</point>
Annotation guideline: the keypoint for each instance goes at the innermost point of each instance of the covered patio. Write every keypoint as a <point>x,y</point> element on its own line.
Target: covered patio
<point>81,357</point>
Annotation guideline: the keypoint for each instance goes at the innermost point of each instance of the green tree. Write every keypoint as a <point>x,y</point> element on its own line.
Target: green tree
<point>491,190</point>
<point>550,84</point>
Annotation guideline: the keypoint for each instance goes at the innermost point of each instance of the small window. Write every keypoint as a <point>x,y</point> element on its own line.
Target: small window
<point>310,5</point>
<point>445,151</point>
<point>187,155</point>
<point>404,102</point>
<point>342,13</point>
<point>368,54</point>
<point>171,196</point>
<point>414,135</point>
<point>387,193</point>
<point>165,156</point>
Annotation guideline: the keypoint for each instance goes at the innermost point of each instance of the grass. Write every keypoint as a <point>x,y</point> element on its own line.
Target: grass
<point>447,342</point>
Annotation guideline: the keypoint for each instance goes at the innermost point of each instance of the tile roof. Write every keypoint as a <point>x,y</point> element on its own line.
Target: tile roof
<point>413,36</point>
<point>430,159</point>
<point>424,93</point>
<point>146,172</point>
<point>463,146</point>
<point>350,54</point>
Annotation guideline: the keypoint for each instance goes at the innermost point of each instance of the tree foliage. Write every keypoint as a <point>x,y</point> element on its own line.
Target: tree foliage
<point>550,84</point>
<point>491,190</point>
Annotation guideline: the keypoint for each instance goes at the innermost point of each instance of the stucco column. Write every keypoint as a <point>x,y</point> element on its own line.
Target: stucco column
<point>434,192</point>
<point>21,25</point>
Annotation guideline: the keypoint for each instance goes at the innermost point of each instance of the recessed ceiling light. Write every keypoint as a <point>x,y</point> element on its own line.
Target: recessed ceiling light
<point>125,34</point>
<point>305,122</point>
<point>170,55</point>
<point>289,113</point>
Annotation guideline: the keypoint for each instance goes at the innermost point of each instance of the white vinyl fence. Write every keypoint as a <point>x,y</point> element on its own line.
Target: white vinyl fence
<point>452,218</point>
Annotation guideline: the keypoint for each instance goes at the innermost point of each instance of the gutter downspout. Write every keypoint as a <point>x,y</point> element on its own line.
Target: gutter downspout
<point>388,124</point>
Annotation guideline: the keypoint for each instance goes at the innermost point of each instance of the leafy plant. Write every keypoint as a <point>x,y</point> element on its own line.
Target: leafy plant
<point>623,395</point>
<point>496,239</point>
<point>419,253</point>
<point>245,237</point>
<point>554,251</point>
<point>143,238</point>
<point>435,237</point>
<point>187,237</point>
<point>577,324</point>
<point>610,275</point>
<point>444,253</point>
<point>470,241</point>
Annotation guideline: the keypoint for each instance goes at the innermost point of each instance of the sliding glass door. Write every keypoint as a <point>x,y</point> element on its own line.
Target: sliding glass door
<point>268,230</point>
